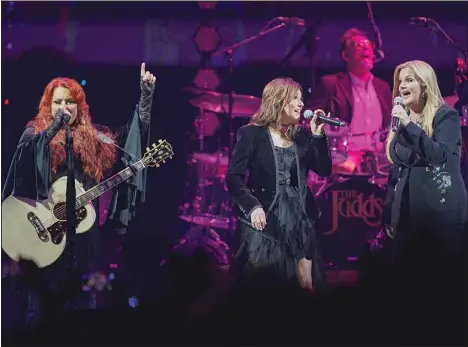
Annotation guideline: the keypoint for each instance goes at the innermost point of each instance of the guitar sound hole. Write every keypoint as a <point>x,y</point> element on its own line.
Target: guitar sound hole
<point>60,211</point>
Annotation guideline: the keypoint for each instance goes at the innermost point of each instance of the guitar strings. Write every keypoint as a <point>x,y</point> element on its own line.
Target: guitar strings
<point>63,209</point>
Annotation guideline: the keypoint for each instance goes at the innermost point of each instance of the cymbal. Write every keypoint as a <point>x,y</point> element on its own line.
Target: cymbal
<point>194,90</point>
<point>211,159</point>
<point>243,106</point>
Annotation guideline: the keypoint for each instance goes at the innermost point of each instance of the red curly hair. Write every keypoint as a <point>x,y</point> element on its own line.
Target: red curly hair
<point>96,156</point>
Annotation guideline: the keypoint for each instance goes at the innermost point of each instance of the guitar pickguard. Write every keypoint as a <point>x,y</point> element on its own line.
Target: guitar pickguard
<point>59,229</point>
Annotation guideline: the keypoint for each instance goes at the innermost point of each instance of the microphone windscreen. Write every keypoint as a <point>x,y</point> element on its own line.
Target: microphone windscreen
<point>398,100</point>
<point>308,114</point>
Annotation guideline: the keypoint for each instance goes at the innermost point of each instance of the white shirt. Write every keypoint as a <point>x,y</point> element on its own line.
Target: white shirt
<point>367,115</point>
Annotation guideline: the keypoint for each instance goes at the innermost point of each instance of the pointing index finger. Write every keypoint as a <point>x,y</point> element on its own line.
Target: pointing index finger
<point>143,69</point>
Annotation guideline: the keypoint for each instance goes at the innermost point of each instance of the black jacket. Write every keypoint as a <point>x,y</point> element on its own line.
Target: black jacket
<point>429,168</point>
<point>254,152</point>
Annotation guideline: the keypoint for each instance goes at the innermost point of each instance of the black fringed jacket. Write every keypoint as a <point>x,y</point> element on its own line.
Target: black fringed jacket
<point>254,152</point>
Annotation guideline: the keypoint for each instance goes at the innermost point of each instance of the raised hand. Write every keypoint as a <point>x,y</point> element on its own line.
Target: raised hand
<point>147,76</point>
<point>147,84</point>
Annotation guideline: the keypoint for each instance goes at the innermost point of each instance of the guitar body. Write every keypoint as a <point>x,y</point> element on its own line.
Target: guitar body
<point>36,230</point>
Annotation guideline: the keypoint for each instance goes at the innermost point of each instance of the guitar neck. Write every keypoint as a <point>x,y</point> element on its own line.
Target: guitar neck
<point>108,184</point>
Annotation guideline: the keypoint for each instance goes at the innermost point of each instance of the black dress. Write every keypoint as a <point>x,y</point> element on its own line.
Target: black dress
<point>58,286</point>
<point>289,235</point>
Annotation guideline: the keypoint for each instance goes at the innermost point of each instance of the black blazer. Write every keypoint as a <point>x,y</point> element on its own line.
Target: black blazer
<point>430,166</point>
<point>254,152</point>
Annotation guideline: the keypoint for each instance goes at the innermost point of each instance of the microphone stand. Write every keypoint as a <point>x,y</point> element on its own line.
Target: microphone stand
<point>438,30</point>
<point>308,39</point>
<point>229,53</point>
<point>70,197</point>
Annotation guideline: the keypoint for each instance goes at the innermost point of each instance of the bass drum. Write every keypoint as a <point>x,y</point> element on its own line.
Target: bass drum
<point>351,214</point>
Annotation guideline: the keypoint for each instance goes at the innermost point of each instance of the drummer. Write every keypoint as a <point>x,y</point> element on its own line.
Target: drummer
<point>356,96</point>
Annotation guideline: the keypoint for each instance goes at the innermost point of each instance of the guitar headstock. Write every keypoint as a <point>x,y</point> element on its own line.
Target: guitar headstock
<point>158,153</point>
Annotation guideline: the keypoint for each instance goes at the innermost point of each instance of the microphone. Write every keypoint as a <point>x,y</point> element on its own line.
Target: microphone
<point>65,116</point>
<point>293,20</point>
<point>106,139</point>
<point>380,55</point>
<point>419,20</point>
<point>396,121</point>
<point>308,114</point>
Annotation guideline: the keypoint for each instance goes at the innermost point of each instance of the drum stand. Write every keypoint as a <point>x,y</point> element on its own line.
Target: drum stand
<point>330,181</point>
<point>208,205</point>
<point>201,134</point>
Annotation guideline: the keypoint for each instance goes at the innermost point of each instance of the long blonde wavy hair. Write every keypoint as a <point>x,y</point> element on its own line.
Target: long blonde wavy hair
<point>276,94</point>
<point>431,98</point>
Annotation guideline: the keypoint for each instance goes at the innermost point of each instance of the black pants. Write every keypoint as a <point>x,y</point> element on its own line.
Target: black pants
<point>431,279</point>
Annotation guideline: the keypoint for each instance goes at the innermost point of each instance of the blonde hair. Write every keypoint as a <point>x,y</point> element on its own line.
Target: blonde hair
<point>431,98</point>
<point>276,94</point>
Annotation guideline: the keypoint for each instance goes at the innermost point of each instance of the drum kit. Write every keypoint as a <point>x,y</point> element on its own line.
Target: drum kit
<point>352,198</point>
<point>206,202</point>
<point>348,163</point>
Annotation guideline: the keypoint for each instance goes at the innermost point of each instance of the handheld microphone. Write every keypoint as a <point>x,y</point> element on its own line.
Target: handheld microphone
<point>65,116</point>
<point>293,20</point>
<point>106,139</point>
<point>308,114</point>
<point>396,121</point>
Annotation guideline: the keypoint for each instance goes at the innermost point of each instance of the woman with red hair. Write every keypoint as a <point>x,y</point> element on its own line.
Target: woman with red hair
<point>40,160</point>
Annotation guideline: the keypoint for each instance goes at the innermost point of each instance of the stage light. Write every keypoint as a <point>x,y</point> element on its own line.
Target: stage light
<point>208,5</point>
<point>6,102</point>
<point>207,39</point>
<point>83,82</point>
<point>133,301</point>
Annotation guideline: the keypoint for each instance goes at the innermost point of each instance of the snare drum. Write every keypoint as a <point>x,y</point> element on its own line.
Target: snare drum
<point>358,163</point>
<point>206,200</point>
<point>351,214</point>
<point>368,161</point>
